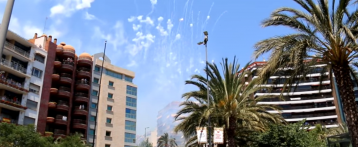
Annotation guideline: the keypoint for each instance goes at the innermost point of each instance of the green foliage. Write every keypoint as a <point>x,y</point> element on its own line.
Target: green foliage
<point>21,136</point>
<point>145,143</point>
<point>231,104</point>
<point>12,135</point>
<point>291,135</point>
<point>71,141</point>
<point>166,141</point>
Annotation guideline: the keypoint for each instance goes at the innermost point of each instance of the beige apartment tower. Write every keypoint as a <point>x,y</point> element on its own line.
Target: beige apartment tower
<point>116,103</point>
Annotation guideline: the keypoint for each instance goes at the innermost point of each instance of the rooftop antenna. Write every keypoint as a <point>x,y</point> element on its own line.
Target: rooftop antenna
<point>43,32</point>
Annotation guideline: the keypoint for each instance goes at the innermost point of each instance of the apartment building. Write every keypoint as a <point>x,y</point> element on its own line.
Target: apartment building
<point>115,97</point>
<point>307,101</point>
<point>65,90</point>
<point>166,122</point>
<point>21,76</point>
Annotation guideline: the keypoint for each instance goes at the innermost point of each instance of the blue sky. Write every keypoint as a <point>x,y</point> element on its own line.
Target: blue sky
<point>156,39</point>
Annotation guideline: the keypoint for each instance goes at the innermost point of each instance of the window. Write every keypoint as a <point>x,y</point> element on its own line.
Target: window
<point>132,90</point>
<point>130,125</point>
<point>131,102</point>
<point>97,68</point>
<point>107,145</point>
<point>94,106</point>
<point>29,121</point>
<point>31,105</point>
<point>34,88</point>
<point>129,137</point>
<point>40,58</point>
<point>128,79</point>
<point>109,120</point>
<point>109,108</point>
<point>91,132</point>
<point>92,118</point>
<point>110,83</point>
<point>114,74</point>
<point>110,95</point>
<point>95,80</point>
<point>94,93</point>
<point>108,133</point>
<point>36,72</point>
<point>130,113</point>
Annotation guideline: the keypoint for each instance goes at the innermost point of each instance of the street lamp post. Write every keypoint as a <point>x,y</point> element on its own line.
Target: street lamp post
<point>5,23</point>
<point>205,42</point>
<point>145,134</point>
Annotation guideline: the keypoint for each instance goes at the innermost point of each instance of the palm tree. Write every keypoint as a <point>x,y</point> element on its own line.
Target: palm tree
<point>330,35</point>
<point>165,141</point>
<point>231,104</point>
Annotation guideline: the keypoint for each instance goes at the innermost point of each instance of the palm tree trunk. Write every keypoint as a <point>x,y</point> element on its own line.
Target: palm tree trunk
<point>231,132</point>
<point>345,88</point>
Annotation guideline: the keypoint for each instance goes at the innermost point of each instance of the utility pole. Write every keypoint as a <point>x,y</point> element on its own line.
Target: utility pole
<point>205,42</point>
<point>5,24</point>
<point>145,136</point>
<point>99,92</point>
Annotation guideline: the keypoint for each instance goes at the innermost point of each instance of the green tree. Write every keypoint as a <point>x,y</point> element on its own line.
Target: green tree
<point>231,104</point>
<point>145,143</point>
<point>71,141</point>
<point>166,141</point>
<point>291,135</point>
<point>22,136</point>
<point>328,32</point>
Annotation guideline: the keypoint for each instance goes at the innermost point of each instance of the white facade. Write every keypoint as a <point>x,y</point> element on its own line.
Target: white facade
<point>19,100</point>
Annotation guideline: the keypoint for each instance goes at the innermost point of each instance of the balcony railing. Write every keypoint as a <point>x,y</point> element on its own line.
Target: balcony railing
<point>82,81</point>
<point>85,58</point>
<point>17,49</point>
<point>84,69</point>
<point>66,75</point>
<point>15,102</point>
<point>68,62</point>
<point>81,94</point>
<point>12,83</point>
<point>79,121</point>
<point>81,107</point>
<point>309,115</point>
<point>296,90</point>
<point>59,132</point>
<point>275,99</point>
<point>65,89</point>
<point>14,65</point>
<point>6,119</point>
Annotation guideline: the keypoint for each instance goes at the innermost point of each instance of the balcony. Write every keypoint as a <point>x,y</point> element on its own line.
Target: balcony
<point>66,78</point>
<point>50,119</point>
<point>64,92</point>
<point>79,124</point>
<point>83,84</point>
<point>53,91</point>
<point>80,110</point>
<point>52,105</point>
<point>12,104</point>
<point>6,119</point>
<point>13,86</point>
<point>55,77</point>
<point>14,68</point>
<point>85,61</point>
<point>84,72</point>
<point>81,97</point>
<point>62,107</point>
<point>57,64</point>
<point>16,51</point>
<point>67,66</point>
<point>69,53</point>
<point>61,120</point>
<point>59,50</point>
